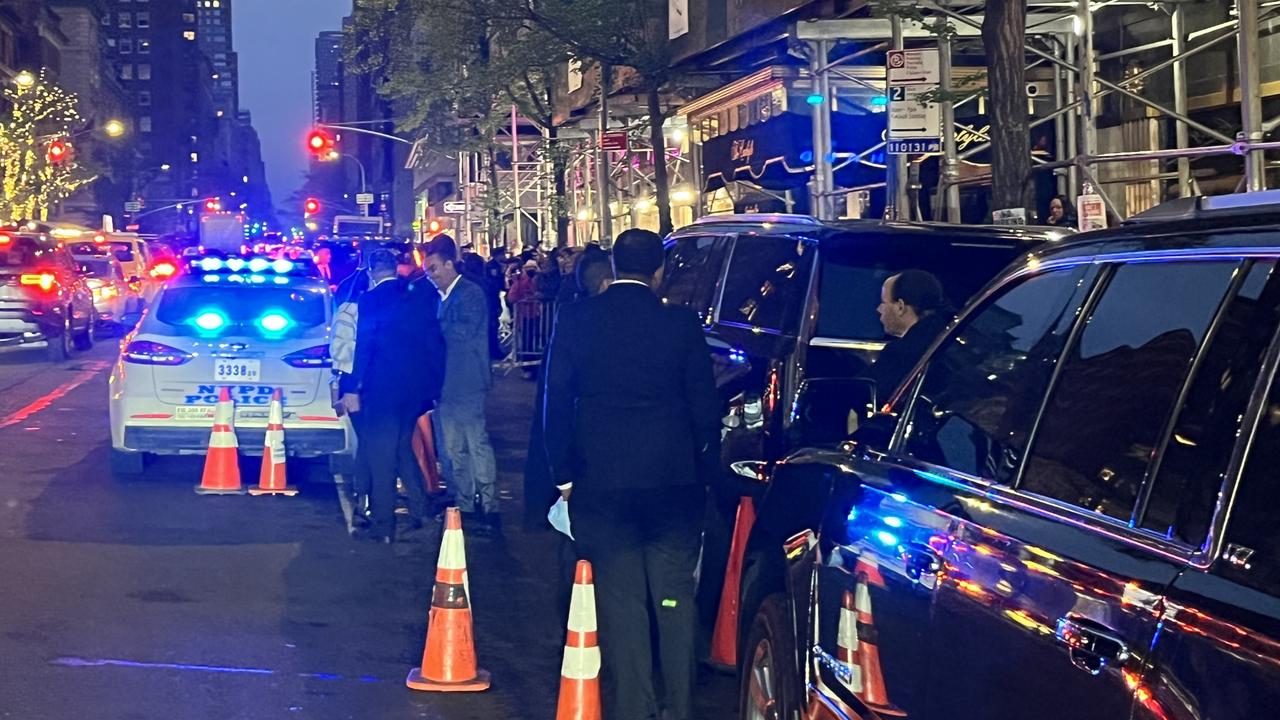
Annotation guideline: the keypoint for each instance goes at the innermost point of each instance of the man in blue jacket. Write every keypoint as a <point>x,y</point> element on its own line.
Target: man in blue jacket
<point>469,465</point>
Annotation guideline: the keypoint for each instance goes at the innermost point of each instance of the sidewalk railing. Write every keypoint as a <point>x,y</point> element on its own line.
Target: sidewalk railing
<point>531,322</point>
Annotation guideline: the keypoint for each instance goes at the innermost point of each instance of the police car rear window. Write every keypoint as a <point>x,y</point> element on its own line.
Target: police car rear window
<point>241,305</point>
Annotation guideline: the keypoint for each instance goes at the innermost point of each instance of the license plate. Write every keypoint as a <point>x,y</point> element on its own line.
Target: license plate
<point>236,370</point>
<point>193,412</point>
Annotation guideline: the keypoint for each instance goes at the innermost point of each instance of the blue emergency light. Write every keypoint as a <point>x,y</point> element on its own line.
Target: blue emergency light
<point>210,320</point>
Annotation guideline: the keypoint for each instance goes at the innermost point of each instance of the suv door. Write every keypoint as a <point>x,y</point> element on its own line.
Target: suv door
<point>1218,652</point>
<point>1048,601</point>
<point>692,273</point>
<point>885,529</point>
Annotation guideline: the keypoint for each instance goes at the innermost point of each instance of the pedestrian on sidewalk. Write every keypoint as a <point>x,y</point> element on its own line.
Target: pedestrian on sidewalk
<point>396,375</point>
<point>469,465</point>
<point>632,431</point>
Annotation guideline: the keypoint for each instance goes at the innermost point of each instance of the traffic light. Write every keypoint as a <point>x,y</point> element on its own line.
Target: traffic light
<point>311,207</point>
<point>319,143</point>
<point>57,151</point>
<point>434,226</point>
<point>212,205</point>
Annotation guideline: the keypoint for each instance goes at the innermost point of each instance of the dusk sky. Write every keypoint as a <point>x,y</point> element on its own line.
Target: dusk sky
<point>276,43</point>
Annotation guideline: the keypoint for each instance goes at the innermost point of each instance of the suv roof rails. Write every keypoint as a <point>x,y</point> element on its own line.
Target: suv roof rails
<point>1208,206</point>
<point>758,217</point>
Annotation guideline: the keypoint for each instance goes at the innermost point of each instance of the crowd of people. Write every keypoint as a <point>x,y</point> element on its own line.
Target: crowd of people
<point>625,432</point>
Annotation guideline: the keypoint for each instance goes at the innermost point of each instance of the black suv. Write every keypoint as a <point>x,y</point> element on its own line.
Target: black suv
<point>1065,512</point>
<point>44,301</point>
<point>787,297</point>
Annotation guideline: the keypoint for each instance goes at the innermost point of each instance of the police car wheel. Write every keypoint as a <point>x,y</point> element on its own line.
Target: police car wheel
<point>769,676</point>
<point>126,463</point>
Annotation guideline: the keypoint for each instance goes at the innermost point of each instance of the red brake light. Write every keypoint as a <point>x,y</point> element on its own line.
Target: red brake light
<point>163,270</point>
<point>146,352</point>
<point>5,239</point>
<point>45,281</point>
<point>312,357</point>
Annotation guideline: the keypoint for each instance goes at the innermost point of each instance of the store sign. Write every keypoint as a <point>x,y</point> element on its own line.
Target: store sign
<point>364,198</point>
<point>1009,216</point>
<point>743,149</point>
<point>915,124</point>
<point>614,141</point>
<point>132,206</point>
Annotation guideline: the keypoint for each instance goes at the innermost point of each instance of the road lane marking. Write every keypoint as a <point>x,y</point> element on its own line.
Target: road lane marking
<point>344,500</point>
<point>78,662</point>
<point>44,401</point>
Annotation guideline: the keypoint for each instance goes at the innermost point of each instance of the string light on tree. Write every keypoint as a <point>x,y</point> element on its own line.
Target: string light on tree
<point>38,167</point>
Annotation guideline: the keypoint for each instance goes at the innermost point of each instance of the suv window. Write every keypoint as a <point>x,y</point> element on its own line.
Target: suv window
<point>767,282</point>
<point>984,385</point>
<point>1118,385</point>
<point>693,267</point>
<point>1253,511</point>
<point>1192,465</point>
<point>853,267</point>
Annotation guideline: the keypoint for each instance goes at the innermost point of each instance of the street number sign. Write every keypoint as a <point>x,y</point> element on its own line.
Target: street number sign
<point>915,124</point>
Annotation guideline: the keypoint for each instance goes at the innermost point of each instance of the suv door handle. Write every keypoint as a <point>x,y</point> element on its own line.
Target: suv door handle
<point>920,559</point>
<point>1091,646</point>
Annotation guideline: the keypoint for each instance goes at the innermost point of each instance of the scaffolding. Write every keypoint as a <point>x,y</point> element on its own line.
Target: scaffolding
<point>1060,38</point>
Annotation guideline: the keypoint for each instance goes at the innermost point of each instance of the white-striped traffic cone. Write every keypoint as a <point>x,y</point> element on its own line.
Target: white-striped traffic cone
<point>580,669</point>
<point>272,480</point>
<point>221,464</point>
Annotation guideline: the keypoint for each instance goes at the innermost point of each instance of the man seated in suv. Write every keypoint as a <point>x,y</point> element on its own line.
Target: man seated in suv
<point>914,311</point>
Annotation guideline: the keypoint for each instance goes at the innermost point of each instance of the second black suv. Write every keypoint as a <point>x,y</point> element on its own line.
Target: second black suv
<point>1067,510</point>
<point>43,298</point>
<point>787,297</point>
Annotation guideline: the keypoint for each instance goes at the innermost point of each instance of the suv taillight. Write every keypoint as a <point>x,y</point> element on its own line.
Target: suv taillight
<point>44,281</point>
<point>146,352</point>
<point>312,357</point>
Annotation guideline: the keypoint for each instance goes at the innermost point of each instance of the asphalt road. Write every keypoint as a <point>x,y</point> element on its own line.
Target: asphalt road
<point>140,599</point>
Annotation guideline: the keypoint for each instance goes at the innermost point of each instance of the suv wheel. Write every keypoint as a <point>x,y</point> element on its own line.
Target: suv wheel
<point>125,463</point>
<point>769,675</point>
<point>60,346</point>
<point>84,339</point>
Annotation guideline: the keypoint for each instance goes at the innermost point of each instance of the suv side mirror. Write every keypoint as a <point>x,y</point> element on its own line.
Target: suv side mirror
<point>829,410</point>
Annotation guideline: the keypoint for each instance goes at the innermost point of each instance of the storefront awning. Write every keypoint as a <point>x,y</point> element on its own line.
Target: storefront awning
<point>778,154</point>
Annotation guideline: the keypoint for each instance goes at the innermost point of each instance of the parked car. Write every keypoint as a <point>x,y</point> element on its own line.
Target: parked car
<point>117,303</point>
<point>44,301</point>
<point>136,258</point>
<point>785,297</point>
<point>1067,509</point>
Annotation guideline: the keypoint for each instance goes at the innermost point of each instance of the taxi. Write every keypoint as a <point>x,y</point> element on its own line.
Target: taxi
<point>248,324</point>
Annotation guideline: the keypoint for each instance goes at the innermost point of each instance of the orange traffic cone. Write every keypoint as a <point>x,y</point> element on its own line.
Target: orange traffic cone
<point>847,649</point>
<point>580,669</point>
<point>272,480</point>
<point>874,694</point>
<point>221,464</point>
<point>724,638</point>
<point>449,658</point>
<point>424,449</point>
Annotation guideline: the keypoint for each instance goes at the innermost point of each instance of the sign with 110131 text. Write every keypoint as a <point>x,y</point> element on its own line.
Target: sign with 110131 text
<point>915,121</point>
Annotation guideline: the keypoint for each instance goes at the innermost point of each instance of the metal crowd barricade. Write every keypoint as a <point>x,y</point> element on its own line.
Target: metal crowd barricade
<point>531,322</point>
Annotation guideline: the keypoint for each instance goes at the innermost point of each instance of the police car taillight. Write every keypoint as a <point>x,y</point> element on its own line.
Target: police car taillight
<point>146,352</point>
<point>312,357</point>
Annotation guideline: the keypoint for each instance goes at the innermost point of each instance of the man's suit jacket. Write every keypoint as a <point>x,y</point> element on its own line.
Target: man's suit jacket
<point>399,347</point>
<point>464,319</point>
<point>631,403</point>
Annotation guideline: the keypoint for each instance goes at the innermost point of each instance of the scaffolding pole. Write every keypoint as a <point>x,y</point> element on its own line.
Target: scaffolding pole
<point>1250,101</point>
<point>1178,31</point>
<point>823,176</point>
<point>950,169</point>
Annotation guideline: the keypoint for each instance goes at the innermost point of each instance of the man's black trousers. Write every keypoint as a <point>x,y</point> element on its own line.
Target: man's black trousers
<point>385,431</point>
<point>643,548</point>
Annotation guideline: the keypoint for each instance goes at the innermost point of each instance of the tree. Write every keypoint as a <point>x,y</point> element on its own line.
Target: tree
<point>32,178</point>
<point>1003,36</point>
<point>629,34</point>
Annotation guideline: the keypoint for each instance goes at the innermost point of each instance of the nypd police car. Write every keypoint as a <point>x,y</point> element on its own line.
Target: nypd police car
<point>250,325</point>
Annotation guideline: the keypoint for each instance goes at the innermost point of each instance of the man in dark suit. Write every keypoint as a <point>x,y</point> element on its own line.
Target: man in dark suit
<point>914,311</point>
<point>631,431</point>
<point>469,465</point>
<point>397,375</point>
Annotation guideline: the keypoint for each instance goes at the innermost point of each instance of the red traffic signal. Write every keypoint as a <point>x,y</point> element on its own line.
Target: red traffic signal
<point>212,205</point>
<point>319,142</point>
<point>434,226</point>
<point>57,151</point>
<point>311,206</point>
